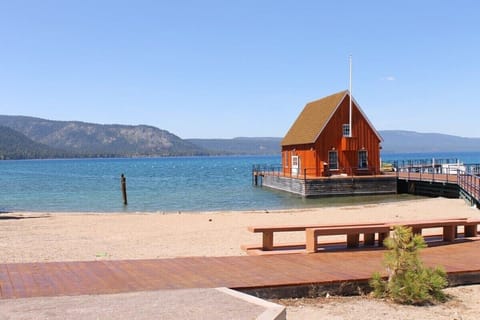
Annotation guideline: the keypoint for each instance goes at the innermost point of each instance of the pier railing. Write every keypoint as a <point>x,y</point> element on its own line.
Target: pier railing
<point>428,175</point>
<point>466,176</point>
<point>310,173</point>
<point>470,184</point>
<point>423,163</point>
<point>263,169</point>
<point>435,171</point>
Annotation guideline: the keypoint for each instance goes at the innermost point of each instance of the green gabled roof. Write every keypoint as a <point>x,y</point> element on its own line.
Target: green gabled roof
<point>313,119</point>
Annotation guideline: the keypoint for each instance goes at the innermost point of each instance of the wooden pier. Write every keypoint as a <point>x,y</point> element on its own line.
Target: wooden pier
<point>451,181</point>
<point>437,178</point>
<point>428,185</point>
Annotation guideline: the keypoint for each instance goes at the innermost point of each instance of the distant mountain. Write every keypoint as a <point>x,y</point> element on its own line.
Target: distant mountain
<point>14,145</point>
<point>238,146</point>
<point>97,140</point>
<point>27,137</point>
<point>398,141</point>
<point>395,141</point>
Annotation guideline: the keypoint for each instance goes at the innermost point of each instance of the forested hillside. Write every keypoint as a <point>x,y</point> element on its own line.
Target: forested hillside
<point>97,140</point>
<point>14,145</point>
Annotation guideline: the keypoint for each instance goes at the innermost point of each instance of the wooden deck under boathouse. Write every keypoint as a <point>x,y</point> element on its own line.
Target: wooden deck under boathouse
<point>335,185</point>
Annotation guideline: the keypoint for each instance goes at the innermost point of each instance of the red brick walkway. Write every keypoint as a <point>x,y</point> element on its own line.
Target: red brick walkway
<point>19,280</point>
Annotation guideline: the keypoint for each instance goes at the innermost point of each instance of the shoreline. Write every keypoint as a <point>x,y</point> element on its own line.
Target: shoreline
<point>292,202</point>
<point>358,200</point>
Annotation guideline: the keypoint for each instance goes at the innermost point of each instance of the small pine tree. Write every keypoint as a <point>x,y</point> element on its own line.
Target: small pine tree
<point>409,282</point>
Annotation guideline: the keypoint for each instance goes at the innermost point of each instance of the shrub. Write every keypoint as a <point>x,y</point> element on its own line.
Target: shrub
<point>409,282</point>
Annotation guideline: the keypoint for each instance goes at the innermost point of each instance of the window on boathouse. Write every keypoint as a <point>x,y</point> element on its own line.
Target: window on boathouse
<point>333,160</point>
<point>362,159</point>
<point>346,130</point>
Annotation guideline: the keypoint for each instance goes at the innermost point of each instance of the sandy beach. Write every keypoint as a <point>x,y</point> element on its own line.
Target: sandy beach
<point>41,237</point>
<point>33,237</point>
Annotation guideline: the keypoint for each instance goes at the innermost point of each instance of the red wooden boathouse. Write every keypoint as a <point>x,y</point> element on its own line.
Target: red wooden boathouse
<point>331,136</point>
<point>332,149</point>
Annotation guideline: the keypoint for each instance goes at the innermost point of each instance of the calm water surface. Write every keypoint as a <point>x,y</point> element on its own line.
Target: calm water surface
<point>157,185</point>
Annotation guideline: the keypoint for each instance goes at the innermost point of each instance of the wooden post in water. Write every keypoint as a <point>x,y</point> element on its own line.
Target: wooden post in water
<point>123,183</point>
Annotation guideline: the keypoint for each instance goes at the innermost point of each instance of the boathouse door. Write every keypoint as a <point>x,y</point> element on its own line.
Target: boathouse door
<point>295,165</point>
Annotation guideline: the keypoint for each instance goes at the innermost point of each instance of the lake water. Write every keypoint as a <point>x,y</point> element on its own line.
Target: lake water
<point>158,185</point>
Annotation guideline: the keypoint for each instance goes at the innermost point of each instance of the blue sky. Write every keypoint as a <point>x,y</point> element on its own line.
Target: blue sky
<point>222,69</point>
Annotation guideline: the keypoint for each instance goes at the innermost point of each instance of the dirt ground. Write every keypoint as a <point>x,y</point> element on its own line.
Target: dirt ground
<point>464,304</point>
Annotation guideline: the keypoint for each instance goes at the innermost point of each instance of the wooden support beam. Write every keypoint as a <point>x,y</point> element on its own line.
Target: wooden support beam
<point>369,239</point>
<point>267,240</point>
<point>353,240</point>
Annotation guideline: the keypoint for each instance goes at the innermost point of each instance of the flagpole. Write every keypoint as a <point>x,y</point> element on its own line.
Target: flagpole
<point>350,94</point>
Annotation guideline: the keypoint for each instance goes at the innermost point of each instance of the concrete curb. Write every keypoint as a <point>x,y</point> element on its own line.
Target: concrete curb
<point>273,311</point>
<point>199,304</point>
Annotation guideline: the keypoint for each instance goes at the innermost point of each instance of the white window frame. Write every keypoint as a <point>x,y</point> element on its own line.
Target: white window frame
<point>295,165</point>
<point>363,165</point>
<point>346,130</point>
<point>330,162</point>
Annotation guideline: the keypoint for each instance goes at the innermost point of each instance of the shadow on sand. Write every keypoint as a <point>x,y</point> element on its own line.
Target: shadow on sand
<point>8,216</point>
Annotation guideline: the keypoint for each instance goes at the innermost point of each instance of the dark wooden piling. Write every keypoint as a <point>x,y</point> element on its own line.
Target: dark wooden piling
<point>123,183</point>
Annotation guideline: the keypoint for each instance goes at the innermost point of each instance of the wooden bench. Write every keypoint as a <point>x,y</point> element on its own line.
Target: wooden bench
<point>449,234</point>
<point>269,231</point>
<point>352,233</point>
<point>449,226</point>
<point>471,227</point>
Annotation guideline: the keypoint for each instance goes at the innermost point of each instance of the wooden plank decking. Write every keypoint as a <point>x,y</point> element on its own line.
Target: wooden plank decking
<point>426,176</point>
<point>21,280</point>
